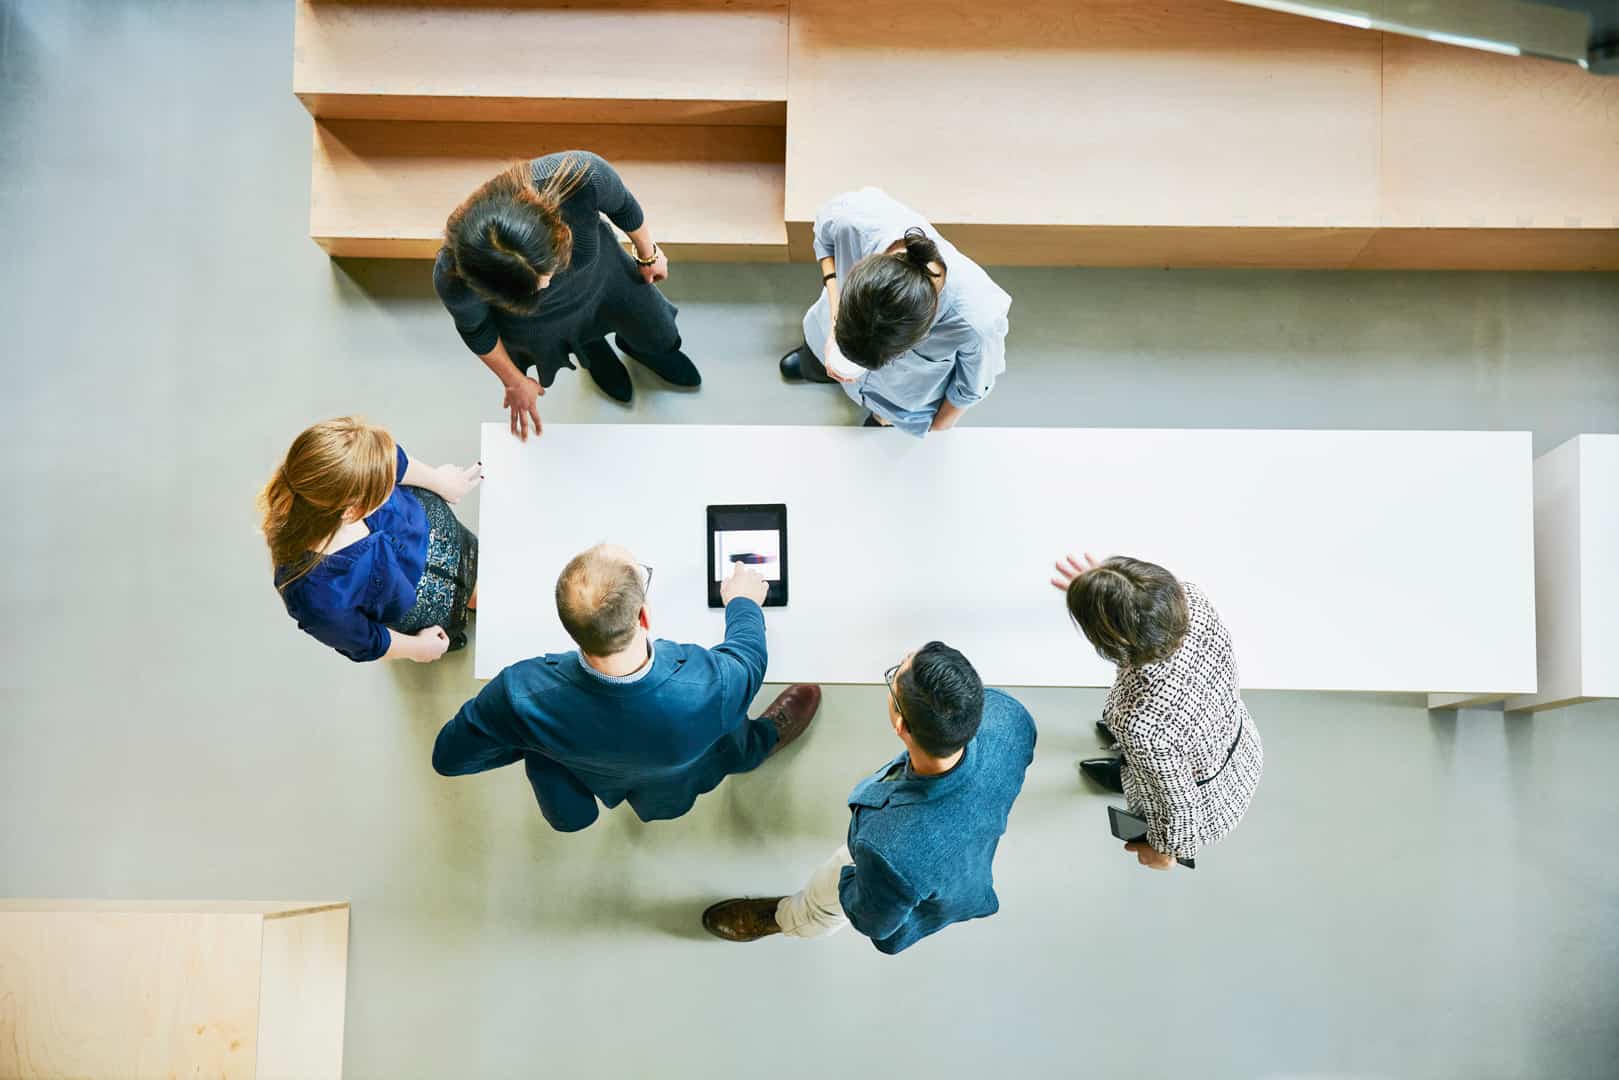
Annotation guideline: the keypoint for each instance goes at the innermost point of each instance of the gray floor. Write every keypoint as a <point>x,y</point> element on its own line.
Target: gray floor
<point>1411,895</point>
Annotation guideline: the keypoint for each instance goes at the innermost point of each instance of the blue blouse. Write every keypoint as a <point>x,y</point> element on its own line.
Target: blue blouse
<point>351,595</point>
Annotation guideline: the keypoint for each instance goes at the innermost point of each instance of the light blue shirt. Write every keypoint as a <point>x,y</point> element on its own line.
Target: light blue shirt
<point>965,349</point>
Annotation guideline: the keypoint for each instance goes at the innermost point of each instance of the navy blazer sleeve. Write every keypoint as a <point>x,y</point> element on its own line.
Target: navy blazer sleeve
<point>348,631</point>
<point>742,656</point>
<point>479,736</point>
<point>874,896</point>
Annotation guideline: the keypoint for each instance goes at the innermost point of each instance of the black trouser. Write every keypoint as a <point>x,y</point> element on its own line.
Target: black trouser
<point>614,300</point>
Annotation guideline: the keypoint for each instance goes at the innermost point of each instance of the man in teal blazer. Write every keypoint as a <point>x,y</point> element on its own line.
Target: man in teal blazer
<point>627,718</point>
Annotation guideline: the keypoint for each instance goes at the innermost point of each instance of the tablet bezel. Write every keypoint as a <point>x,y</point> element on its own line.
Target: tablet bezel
<point>777,597</point>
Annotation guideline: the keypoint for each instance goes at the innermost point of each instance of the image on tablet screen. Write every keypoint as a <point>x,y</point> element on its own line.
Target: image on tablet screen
<point>758,548</point>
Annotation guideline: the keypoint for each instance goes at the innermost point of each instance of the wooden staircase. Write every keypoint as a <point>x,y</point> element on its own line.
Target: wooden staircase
<point>1048,132</point>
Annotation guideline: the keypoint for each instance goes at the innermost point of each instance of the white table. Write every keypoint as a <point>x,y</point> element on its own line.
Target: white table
<point>1576,572</point>
<point>1331,555</point>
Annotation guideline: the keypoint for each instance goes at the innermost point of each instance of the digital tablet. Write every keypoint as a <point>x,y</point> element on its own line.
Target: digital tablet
<point>754,535</point>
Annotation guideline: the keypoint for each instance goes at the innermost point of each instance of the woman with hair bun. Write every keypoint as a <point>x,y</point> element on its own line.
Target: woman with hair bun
<point>913,329</point>
<point>531,273</point>
<point>1191,756</point>
<point>367,555</point>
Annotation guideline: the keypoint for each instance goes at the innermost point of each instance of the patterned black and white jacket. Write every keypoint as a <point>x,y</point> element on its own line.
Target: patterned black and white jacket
<point>1176,721</point>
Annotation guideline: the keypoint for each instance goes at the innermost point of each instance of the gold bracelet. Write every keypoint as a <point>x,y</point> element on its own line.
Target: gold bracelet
<point>656,251</point>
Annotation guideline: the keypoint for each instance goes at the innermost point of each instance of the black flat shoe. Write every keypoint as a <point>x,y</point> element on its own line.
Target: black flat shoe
<point>800,365</point>
<point>1106,732</point>
<point>872,421</point>
<point>673,367</point>
<point>598,358</point>
<point>1105,772</point>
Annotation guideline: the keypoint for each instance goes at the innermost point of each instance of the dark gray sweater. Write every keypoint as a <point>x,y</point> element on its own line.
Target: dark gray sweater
<point>601,192</point>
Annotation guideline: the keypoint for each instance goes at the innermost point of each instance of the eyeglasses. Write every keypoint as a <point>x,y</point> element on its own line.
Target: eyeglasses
<point>646,586</point>
<point>889,677</point>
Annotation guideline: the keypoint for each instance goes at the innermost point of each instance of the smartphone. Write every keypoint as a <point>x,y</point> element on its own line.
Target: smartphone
<point>1126,826</point>
<point>1131,827</point>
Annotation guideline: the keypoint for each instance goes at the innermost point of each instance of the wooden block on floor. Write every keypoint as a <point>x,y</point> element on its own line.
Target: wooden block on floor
<point>172,988</point>
<point>383,189</point>
<point>609,61</point>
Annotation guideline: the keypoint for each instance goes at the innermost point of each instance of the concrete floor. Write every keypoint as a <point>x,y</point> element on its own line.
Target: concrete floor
<point>1411,896</point>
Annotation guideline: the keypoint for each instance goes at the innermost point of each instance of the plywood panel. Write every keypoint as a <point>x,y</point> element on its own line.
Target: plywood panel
<point>171,907</point>
<point>1477,140</point>
<point>1102,245</point>
<point>388,186</point>
<point>1490,249</point>
<point>1326,529</point>
<point>120,995</point>
<point>509,110</point>
<point>446,54</point>
<point>1085,112</point>
<point>301,1010</point>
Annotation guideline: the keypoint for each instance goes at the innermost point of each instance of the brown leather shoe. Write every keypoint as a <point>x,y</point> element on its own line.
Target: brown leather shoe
<point>743,918</point>
<point>792,712</point>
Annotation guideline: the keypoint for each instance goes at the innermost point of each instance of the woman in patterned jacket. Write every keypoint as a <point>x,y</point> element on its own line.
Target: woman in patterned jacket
<point>1191,754</point>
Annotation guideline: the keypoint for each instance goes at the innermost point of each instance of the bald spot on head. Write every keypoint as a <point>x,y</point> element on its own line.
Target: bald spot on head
<point>599,598</point>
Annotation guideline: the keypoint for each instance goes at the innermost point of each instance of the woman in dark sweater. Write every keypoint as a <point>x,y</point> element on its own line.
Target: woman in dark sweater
<point>531,273</point>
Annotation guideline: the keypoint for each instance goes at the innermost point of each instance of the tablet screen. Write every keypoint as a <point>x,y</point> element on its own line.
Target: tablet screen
<point>753,535</point>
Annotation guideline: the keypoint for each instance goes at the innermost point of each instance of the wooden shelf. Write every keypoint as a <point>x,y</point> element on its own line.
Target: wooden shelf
<point>382,189</point>
<point>1477,140</point>
<point>1078,132</point>
<point>1275,248</point>
<point>1200,133</point>
<point>1096,113</point>
<point>610,61</point>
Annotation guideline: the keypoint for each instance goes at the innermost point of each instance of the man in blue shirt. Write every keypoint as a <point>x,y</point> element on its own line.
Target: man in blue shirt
<point>627,718</point>
<point>923,828</point>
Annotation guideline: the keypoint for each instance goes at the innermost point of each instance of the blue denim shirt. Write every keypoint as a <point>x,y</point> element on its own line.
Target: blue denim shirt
<point>965,348</point>
<point>657,742</point>
<point>923,845</point>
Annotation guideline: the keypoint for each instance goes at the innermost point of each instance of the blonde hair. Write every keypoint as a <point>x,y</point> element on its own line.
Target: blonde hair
<point>599,597</point>
<point>332,467</point>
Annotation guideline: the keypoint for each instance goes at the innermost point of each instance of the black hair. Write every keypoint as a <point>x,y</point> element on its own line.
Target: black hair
<point>509,233</point>
<point>888,302</point>
<point>941,699</point>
